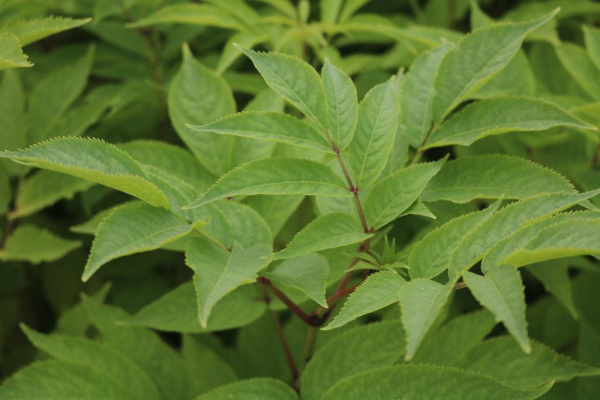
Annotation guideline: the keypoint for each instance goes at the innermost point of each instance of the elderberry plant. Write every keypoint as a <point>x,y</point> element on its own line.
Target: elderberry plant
<point>336,229</point>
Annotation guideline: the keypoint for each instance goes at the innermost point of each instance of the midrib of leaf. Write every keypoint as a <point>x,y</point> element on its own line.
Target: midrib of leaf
<point>337,112</point>
<point>297,97</point>
<point>287,183</point>
<point>454,188</point>
<point>362,167</point>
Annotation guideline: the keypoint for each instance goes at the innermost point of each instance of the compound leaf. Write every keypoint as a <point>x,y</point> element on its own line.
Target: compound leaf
<point>326,232</point>
<point>342,102</point>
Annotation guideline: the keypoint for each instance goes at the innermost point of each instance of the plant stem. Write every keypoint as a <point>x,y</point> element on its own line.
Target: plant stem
<point>309,319</point>
<point>353,189</point>
<point>282,339</point>
<point>309,346</point>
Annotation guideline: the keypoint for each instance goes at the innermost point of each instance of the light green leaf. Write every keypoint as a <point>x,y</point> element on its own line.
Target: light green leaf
<point>501,292</point>
<point>516,79</point>
<point>90,227</point>
<point>581,67</point>
<point>493,177</point>
<point>78,119</point>
<point>393,195</point>
<point>173,159</point>
<point>96,161</point>
<point>295,81</point>
<point>11,54</point>
<point>378,291</point>
<point>218,272</point>
<point>48,247</point>
<point>566,239</point>
<point>307,273</point>
<point>475,60</point>
<point>521,237</point>
<point>592,43</point>
<point>44,189</point>
<point>176,311</point>
<point>556,280</point>
<point>418,93</point>
<point>171,376</point>
<point>421,301</point>
<point>501,359</point>
<point>455,338</point>
<point>342,102</point>
<point>198,96</point>
<point>45,107</point>
<point>431,255</point>
<point>505,222</point>
<point>329,10</point>
<point>350,7</point>
<point>278,175</point>
<point>375,132</point>
<point>250,389</point>
<point>133,228</point>
<point>326,232</point>
<point>32,30</point>
<point>373,346</point>
<point>194,14</point>
<point>64,379</point>
<point>425,382</point>
<point>231,53</point>
<point>248,228</point>
<point>275,210</point>
<point>500,115</point>
<point>96,355</point>
<point>270,126</point>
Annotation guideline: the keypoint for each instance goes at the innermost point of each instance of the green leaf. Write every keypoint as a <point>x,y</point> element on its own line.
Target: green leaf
<point>278,175</point>
<point>270,126</point>
<point>425,382</point>
<point>418,93</point>
<point>11,54</point>
<point>275,210</point>
<point>48,247</point>
<point>581,67</point>
<point>12,117</point>
<point>96,161</point>
<point>173,159</point>
<point>247,226</point>
<point>329,10</point>
<point>393,195</point>
<point>45,107</point>
<point>500,115</point>
<point>378,291</point>
<point>501,292</point>
<point>90,227</point>
<point>133,228</point>
<point>307,273</point>
<point>455,338</point>
<point>516,79</point>
<point>96,355</point>
<point>592,43</point>
<point>295,81</point>
<point>171,376</point>
<point>44,189</point>
<point>421,302</point>
<point>475,60</point>
<point>176,311</point>
<point>506,221</point>
<point>493,177</point>
<point>431,255</point>
<point>5,192</point>
<point>555,278</point>
<point>375,132</point>
<point>342,102</point>
<point>501,359</point>
<point>32,30</point>
<point>195,14</point>
<point>218,272</point>
<point>204,362</point>
<point>63,379</point>
<point>198,96</point>
<point>520,239</point>
<point>326,232</point>
<point>250,389</point>
<point>373,346</point>
<point>231,53</point>
<point>566,239</point>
